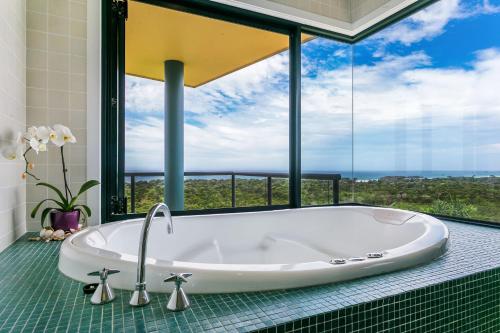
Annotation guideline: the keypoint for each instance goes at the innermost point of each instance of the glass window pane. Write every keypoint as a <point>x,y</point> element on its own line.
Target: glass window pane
<point>326,121</point>
<point>236,82</point>
<point>426,113</point>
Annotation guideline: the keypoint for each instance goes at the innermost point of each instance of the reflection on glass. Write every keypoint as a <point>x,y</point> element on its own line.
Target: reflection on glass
<point>326,121</point>
<point>426,113</point>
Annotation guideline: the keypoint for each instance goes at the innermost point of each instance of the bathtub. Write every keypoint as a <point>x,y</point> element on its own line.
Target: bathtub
<point>258,251</point>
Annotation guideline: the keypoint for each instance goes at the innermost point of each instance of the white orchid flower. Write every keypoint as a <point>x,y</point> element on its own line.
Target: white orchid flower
<point>35,144</point>
<point>38,138</point>
<point>43,134</point>
<point>54,138</point>
<point>61,135</point>
<point>31,133</point>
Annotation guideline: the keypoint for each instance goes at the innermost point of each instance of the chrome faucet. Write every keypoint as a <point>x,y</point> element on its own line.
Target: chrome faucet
<point>140,297</point>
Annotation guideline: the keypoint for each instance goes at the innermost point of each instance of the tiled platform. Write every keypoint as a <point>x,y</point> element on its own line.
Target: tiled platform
<point>34,297</point>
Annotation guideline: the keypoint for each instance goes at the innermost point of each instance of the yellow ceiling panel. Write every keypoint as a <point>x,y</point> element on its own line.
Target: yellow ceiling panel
<point>208,48</point>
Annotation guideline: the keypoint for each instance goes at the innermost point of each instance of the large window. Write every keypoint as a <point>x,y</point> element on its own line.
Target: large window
<point>407,118</point>
<point>236,106</point>
<point>427,112</point>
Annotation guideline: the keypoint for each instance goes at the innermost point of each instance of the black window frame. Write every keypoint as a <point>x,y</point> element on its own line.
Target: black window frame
<point>114,15</point>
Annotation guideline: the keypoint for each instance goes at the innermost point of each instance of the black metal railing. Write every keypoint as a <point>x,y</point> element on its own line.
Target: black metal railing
<point>334,178</point>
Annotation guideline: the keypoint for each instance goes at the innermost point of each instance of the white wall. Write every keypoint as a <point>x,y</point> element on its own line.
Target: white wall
<point>57,89</point>
<point>12,117</point>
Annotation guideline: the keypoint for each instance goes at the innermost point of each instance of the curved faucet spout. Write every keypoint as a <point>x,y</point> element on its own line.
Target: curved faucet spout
<point>140,296</point>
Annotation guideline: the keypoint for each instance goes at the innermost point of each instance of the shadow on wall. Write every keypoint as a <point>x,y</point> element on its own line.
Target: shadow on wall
<point>9,147</point>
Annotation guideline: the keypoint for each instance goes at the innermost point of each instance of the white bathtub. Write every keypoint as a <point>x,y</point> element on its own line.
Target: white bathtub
<point>258,251</point>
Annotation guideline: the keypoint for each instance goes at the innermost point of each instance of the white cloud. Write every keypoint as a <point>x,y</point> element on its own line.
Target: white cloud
<point>491,148</point>
<point>144,144</point>
<point>143,95</point>
<point>406,87</point>
<point>425,24</point>
<point>243,118</point>
<point>432,21</point>
<point>425,115</point>
<point>490,8</point>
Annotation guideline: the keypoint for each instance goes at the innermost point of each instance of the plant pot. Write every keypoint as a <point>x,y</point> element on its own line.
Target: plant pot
<point>64,220</point>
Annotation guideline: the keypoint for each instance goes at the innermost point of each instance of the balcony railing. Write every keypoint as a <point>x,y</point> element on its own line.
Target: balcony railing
<point>334,178</point>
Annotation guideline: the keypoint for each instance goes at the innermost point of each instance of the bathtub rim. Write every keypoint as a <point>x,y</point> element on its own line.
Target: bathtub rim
<point>409,248</point>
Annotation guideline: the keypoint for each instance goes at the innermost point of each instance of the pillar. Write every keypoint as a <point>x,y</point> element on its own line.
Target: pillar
<point>174,134</point>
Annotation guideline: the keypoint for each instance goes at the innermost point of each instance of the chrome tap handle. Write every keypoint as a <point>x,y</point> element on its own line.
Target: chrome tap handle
<point>178,278</point>
<point>103,274</point>
<point>178,300</point>
<point>104,293</point>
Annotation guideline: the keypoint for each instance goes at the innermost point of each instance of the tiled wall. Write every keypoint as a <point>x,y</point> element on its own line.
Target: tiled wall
<point>12,117</point>
<point>56,87</point>
<point>469,304</point>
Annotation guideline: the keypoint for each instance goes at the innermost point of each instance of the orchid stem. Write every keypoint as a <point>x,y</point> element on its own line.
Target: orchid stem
<point>26,165</point>
<point>66,187</point>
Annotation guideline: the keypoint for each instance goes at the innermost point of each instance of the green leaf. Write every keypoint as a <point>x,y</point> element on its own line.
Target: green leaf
<point>87,186</point>
<point>86,209</point>
<point>84,188</point>
<point>37,207</point>
<point>55,189</point>
<point>45,212</point>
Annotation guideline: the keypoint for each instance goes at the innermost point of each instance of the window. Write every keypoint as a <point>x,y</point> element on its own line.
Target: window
<point>407,117</point>
<point>234,101</point>
<point>426,113</point>
<point>326,122</point>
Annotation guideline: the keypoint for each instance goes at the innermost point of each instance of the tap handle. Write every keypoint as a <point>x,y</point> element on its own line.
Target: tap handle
<point>103,274</point>
<point>178,278</point>
<point>103,293</point>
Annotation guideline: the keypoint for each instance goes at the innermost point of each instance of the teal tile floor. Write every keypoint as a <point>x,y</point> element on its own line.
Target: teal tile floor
<point>35,297</point>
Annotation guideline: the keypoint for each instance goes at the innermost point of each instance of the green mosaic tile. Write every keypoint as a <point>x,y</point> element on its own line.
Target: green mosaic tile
<point>459,292</point>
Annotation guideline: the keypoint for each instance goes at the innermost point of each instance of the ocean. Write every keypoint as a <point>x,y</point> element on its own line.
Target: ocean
<point>365,175</point>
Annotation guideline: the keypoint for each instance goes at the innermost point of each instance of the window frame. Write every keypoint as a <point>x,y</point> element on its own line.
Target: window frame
<point>113,82</point>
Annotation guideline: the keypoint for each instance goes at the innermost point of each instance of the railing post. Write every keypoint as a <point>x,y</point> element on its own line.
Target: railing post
<point>233,190</point>
<point>269,191</point>
<point>132,194</point>
<point>336,190</point>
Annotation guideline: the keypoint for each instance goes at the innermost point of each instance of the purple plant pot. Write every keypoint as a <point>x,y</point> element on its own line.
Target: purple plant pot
<point>64,220</point>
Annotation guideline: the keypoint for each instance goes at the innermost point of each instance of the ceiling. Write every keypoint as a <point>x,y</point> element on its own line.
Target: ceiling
<point>345,17</point>
<point>208,48</point>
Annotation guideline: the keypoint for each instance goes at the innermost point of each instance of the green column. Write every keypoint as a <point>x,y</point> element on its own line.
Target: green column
<point>174,134</point>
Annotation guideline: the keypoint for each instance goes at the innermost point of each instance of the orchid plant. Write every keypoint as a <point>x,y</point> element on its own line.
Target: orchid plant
<point>37,139</point>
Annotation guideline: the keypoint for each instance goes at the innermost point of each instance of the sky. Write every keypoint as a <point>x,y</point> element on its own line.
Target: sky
<point>422,94</point>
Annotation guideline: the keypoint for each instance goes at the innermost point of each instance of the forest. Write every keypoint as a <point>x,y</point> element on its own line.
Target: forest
<point>467,197</point>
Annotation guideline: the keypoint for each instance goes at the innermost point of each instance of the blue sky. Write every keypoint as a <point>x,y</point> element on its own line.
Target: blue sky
<point>419,95</point>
